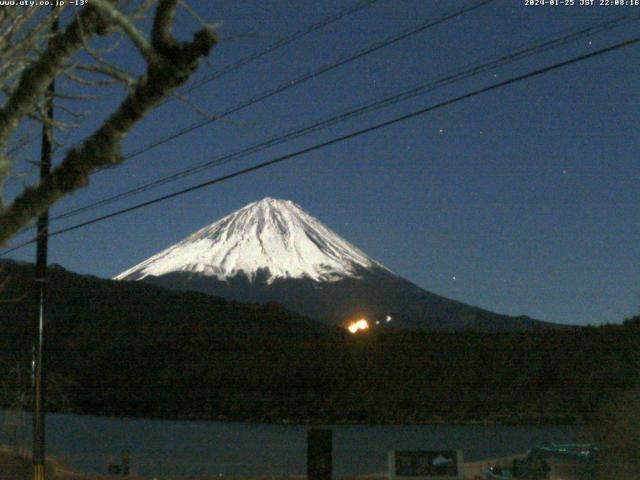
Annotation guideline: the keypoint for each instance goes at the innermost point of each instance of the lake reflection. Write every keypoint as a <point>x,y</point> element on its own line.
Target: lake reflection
<point>161,447</point>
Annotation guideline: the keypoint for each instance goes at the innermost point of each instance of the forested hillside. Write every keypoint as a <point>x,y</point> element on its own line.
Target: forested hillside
<point>140,350</point>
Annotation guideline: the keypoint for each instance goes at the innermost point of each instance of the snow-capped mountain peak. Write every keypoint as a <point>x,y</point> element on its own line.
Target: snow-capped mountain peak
<point>270,234</point>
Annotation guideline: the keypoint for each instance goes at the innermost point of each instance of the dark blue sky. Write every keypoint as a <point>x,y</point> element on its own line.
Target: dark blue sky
<point>523,200</point>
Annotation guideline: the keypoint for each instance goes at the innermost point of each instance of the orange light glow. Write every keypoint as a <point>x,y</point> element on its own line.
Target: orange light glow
<point>355,327</point>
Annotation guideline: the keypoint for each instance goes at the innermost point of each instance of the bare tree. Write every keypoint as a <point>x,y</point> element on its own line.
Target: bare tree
<point>32,57</point>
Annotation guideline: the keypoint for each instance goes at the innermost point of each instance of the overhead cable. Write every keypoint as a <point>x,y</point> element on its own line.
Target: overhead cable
<point>349,136</point>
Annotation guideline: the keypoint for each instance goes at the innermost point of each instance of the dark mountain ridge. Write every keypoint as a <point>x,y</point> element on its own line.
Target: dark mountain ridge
<point>134,349</point>
<point>273,250</point>
<point>375,294</point>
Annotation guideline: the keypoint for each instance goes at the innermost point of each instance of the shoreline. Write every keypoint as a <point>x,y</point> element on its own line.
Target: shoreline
<point>315,422</point>
<point>61,471</point>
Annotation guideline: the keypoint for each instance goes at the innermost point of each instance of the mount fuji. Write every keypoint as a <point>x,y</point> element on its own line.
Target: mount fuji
<point>273,250</point>
<point>275,237</point>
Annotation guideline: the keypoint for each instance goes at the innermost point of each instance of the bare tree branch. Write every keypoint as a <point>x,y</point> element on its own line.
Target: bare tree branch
<point>109,71</point>
<point>86,82</point>
<point>36,79</point>
<point>161,32</point>
<point>172,64</point>
<point>136,36</point>
<point>142,9</point>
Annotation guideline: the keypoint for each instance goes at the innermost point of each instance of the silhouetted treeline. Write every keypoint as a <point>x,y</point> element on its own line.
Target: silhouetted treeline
<point>135,349</point>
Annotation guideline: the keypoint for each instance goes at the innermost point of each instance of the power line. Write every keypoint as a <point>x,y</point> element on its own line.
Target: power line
<point>367,108</point>
<point>237,65</point>
<point>281,43</point>
<point>289,84</point>
<point>336,140</point>
<point>308,76</point>
<point>276,46</point>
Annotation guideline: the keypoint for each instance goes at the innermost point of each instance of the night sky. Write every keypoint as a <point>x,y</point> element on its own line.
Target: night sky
<point>524,200</point>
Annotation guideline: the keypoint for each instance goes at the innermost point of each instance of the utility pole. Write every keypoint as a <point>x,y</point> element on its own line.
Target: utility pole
<point>41,282</point>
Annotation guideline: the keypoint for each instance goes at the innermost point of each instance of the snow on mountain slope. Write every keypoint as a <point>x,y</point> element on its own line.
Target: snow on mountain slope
<point>270,234</point>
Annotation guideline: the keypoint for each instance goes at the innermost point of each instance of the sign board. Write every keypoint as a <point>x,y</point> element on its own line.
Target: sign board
<point>319,454</point>
<point>425,465</point>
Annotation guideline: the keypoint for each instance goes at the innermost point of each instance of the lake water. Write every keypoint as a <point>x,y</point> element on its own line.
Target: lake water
<point>165,448</point>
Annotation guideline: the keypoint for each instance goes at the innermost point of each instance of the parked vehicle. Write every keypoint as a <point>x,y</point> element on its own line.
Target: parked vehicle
<point>540,461</point>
